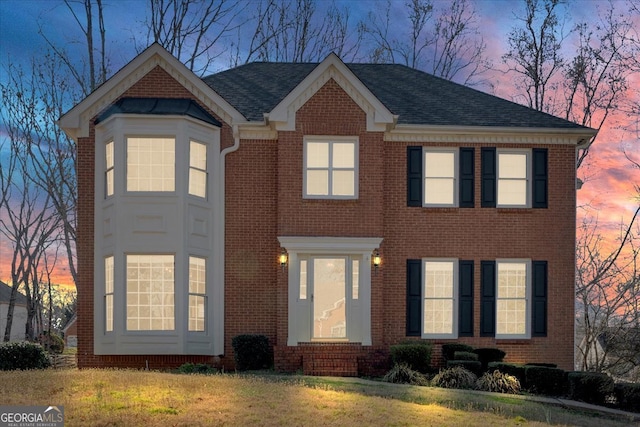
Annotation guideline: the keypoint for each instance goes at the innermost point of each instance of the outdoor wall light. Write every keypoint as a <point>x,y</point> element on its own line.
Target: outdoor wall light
<point>376,260</point>
<point>283,259</point>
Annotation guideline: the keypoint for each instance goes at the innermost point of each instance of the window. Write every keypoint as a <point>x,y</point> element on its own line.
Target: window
<point>197,169</point>
<point>512,299</point>
<point>150,293</point>
<point>330,169</point>
<point>513,178</point>
<point>109,160</point>
<point>151,164</point>
<point>197,294</point>
<point>440,177</point>
<point>439,299</point>
<point>108,293</point>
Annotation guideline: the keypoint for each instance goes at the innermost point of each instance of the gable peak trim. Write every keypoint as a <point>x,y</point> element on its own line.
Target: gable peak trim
<point>283,116</point>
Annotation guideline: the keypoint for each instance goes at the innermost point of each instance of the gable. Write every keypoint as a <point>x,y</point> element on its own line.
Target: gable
<point>148,64</point>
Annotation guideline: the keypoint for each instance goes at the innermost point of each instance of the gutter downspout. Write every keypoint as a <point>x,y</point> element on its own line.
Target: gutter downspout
<point>220,235</point>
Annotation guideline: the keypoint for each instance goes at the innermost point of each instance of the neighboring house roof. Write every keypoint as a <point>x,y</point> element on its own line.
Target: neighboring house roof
<point>159,106</point>
<point>5,295</point>
<point>414,96</point>
<point>69,324</point>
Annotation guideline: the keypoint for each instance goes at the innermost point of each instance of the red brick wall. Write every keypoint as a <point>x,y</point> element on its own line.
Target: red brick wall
<point>264,200</point>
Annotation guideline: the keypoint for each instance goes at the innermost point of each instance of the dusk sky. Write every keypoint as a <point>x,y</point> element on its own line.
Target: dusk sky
<point>609,185</point>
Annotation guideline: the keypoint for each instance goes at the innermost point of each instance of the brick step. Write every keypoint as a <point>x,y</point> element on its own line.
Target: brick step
<point>330,365</point>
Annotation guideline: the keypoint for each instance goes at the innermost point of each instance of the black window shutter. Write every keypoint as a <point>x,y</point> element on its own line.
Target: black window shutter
<point>539,191</point>
<point>489,174</point>
<point>465,297</point>
<point>466,177</point>
<point>414,297</point>
<point>414,176</point>
<point>539,300</point>
<point>488,299</point>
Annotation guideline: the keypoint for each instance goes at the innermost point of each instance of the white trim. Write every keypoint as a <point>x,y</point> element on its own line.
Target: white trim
<point>528,291</point>
<point>454,298</point>
<point>528,176</point>
<point>487,135</point>
<point>299,328</point>
<point>456,176</point>
<point>283,116</point>
<point>76,121</point>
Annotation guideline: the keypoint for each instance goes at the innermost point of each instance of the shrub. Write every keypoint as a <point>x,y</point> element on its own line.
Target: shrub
<point>628,396</point>
<point>416,354</point>
<point>546,365</point>
<point>252,352</point>
<point>590,387</point>
<point>402,373</point>
<point>464,355</point>
<point>470,365</point>
<point>455,377</point>
<point>449,350</point>
<point>511,369</point>
<point>23,356</point>
<point>488,355</point>
<point>196,368</point>
<point>498,382</point>
<point>545,380</point>
<point>51,342</point>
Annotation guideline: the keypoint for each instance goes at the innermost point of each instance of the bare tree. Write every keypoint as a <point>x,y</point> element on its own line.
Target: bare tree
<point>607,298</point>
<point>191,30</point>
<point>296,31</point>
<point>534,52</point>
<point>444,41</point>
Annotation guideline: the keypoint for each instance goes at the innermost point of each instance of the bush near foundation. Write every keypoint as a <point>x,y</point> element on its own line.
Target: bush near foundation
<point>455,377</point>
<point>511,369</point>
<point>415,354</point>
<point>488,355</point>
<point>402,373</point>
<point>464,355</point>
<point>470,365</point>
<point>252,352</point>
<point>546,380</point>
<point>498,382</point>
<point>628,396</point>
<point>22,356</point>
<point>590,387</point>
<point>449,350</point>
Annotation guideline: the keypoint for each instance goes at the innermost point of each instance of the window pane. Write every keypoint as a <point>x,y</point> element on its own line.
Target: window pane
<point>343,155</point>
<point>438,316</point>
<point>198,155</point>
<point>196,313</point>
<point>197,183</point>
<point>150,164</point>
<point>197,275</point>
<point>343,183</point>
<point>318,154</point>
<point>150,278</point>
<point>512,280</point>
<point>439,279</point>
<point>439,165</point>
<point>439,191</point>
<point>318,182</point>
<point>512,192</point>
<point>109,154</point>
<point>108,290</point>
<point>329,311</point>
<point>511,317</point>
<point>303,279</point>
<point>512,165</point>
<point>355,279</point>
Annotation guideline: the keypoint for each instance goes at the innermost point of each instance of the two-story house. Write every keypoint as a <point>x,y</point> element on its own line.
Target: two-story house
<point>335,208</point>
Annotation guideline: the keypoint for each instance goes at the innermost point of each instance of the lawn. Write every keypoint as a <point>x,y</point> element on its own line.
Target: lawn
<point>141,398</point>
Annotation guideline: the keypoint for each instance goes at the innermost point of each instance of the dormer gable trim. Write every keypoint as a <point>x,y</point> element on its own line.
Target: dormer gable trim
<point>283,116</point>
<point>77,120</point>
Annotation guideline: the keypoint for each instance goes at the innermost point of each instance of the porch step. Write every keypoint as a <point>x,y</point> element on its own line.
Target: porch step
<point>337,365</point>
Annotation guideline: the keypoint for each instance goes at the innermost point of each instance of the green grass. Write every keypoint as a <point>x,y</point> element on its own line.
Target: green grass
<point>128,397</point>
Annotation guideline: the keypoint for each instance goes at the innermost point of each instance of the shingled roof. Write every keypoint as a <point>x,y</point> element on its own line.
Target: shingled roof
<point>5,295</point>
<point>414,96</point>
